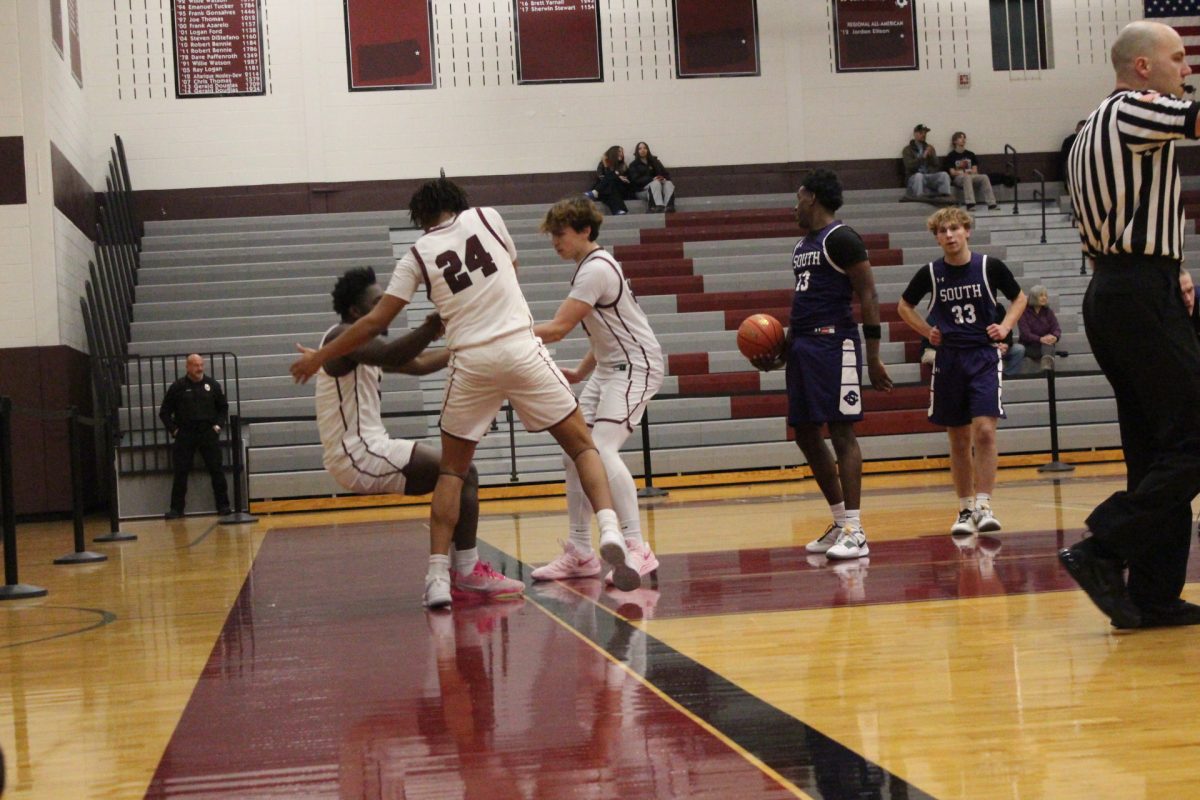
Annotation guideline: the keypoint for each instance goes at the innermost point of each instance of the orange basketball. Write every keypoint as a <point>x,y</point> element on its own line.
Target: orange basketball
<point>760,335</point>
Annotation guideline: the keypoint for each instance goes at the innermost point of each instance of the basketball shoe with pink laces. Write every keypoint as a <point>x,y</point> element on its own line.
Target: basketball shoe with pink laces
<point>485,583</point>
<point>641,559</point>
<point>570,563</point>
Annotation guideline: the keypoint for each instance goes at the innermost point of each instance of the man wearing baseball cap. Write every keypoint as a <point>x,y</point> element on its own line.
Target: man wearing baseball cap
<point>927,181</point>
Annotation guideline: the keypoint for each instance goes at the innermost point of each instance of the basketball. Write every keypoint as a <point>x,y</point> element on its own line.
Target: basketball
<point>760,335</point>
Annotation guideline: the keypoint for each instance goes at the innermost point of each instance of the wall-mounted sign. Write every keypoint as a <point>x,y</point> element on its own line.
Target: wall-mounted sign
<point>389,44</point>
<point>874,35</point>
<point>218,48</point>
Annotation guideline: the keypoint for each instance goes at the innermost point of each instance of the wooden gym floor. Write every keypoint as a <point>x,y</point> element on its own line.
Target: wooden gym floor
<point>292,659</point>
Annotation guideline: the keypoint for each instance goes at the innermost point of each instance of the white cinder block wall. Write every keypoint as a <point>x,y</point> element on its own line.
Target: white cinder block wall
<point>309,127</point>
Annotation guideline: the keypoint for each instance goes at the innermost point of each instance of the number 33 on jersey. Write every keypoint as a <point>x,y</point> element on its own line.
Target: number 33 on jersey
<point>468,267</point>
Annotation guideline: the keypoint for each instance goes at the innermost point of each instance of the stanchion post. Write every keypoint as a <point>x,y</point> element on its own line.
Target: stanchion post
<point>241,510</point>
<point>512,444</point>
<point>1055,465</point>
<point>12,589</point>
<point>650,490</point>
<point>115,534</point>
<point>81,555</point>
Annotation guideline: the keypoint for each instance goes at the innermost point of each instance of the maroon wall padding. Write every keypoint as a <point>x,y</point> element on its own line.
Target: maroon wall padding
<point>12,170</point>
<point>885,423</point>
<point>912,351</point>
<point>720,383</point>
<point>900,332</point>
<point>744,216</point>
<point>386,195</point>
<point>901,398</point>
<point>889,257</point>
<point>723,301</point>
<point>687,364</point>
<point>73,195</point>
<point>648,252</point>
<point>661,268</point>
<point>758,405</point>
<point>684,285</point>
<point>52,379</point>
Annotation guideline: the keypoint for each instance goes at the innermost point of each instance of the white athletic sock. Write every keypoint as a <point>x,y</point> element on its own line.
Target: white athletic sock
<point>607,518</point>
<point>608,438</point>
<point>465,560</point>
<point>983,499</point>
<point>439,567</point>
<point>839,513</point>
<point>853,520</point>
<point>579,511</point>
<point>633,534</point>
<point>966,502</point>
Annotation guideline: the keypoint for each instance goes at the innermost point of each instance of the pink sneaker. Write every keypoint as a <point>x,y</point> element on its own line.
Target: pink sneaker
<point>640,559</point>
<point>486,583</point>
<point>569,564</point>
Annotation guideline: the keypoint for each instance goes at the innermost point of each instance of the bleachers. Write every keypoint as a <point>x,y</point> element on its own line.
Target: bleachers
<point>258,286</point>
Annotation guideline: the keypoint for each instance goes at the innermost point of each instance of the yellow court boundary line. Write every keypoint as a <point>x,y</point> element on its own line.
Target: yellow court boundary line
<point>782,474</point>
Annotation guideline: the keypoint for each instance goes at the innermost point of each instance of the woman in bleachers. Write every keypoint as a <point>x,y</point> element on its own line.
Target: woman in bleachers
<point>651,180</point>
<point>1039,327</point>
<point>612,186</point>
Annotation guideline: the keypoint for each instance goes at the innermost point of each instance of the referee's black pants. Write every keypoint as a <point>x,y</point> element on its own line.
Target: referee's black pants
<point>191,438</point>
<point>1144,342</point>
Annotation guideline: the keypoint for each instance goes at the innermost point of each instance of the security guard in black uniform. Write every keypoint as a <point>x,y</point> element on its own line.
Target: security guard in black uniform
<point>194,410</point>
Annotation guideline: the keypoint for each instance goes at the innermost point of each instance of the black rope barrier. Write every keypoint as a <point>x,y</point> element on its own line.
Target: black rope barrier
<point>81,555</point>
<point>241,510</point>
<point>115,534</point>
<point>13,589</point>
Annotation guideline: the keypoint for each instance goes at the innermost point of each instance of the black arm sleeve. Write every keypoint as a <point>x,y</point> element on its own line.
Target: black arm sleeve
<point>1000,277</point>
<point>167,412</point>
<point>920,285</point>
<point>845,247</point>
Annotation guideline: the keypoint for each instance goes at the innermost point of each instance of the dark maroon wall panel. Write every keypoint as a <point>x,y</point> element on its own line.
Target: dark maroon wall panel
<point>715,38</point>
<point>73,38</point>
<point>56,26</point>
<point>12,170</point>
<point>874,35</point>
<point>558,41</point>
<point>389,44</point>
<point>73,195</point>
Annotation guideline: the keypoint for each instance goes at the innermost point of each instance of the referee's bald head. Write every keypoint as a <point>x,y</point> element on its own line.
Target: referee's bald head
<point>1150,55</point>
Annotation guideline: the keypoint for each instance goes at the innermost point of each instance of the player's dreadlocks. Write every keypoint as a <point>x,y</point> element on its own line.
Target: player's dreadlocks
<point>349,289</point>
<point>433,199</point>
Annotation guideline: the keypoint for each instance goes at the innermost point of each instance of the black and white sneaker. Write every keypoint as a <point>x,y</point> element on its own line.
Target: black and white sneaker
<point>985,521</point>
<point>826,540</point>
<point>965,526</point>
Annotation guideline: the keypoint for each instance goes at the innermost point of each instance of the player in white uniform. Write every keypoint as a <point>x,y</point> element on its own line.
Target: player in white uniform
<point>468,264</point>
<point>359,453</point>
<point>628,370</point>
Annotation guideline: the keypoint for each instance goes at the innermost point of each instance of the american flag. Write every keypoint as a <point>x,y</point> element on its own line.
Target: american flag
<point>1183,16</point>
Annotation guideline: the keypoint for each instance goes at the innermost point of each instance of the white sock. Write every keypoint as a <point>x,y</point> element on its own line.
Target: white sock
<point>607,518</point>
<point>465,560</point>
<point>839,513</point>
<point>983,499</point>
<point>853,520</point>
<point>579,511</point>
<point>632,531</point>
<point>608,438</point>
<point>967,503</point>
<point>439,567</point>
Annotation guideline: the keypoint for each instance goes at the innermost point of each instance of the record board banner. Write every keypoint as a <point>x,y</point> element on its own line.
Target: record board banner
<point>716,38</point>
<point>56,25</point>
<point>558,41</point>
<point>218,48</point>
<point>389,44</point>
<point>874,35</point>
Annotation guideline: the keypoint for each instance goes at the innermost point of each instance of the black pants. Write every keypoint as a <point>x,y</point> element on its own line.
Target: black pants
<point>1141,336</point>
<point>190,439</point>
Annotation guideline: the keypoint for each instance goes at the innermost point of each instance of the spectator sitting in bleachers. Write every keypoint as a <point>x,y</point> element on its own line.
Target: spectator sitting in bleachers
<point>612,186</point>
<point>926,181</point>
<point>963,167</point>
<point>1039,327</point>
<point>651,180</point>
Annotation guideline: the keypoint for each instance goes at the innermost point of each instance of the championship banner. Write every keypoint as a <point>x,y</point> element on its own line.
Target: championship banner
<point>558,41</point>
<point>389,44</point>
<point>874,35</point>
<point>716,38</point>
<point>218,48</point>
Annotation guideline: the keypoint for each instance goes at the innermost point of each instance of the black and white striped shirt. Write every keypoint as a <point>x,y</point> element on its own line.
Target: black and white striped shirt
<point>1123,178</point>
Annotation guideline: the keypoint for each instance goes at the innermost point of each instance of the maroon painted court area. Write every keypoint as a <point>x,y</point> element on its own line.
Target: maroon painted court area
<point>330,680</point>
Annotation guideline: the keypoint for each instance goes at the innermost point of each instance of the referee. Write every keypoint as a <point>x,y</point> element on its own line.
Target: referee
<point>1125,186</point>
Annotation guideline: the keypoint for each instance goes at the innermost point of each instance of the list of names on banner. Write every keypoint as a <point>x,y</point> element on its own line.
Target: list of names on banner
<point>218,48</point>
<point>557,41</point>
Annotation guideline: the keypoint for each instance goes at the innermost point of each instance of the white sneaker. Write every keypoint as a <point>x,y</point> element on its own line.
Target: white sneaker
<point>437,592</point>
<point>985,521</point>
<point>614,550</point>
<point>851,544</point>
<point>965,526</point>
<point>570,563</point>
<point>826,540</point>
